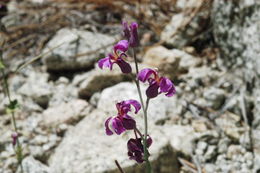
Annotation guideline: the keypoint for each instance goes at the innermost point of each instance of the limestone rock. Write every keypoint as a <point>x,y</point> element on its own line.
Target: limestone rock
<point>90,46</point>
<point>90,150</point>
<point>98,79</point>
<point>170,62</point>
<point>30,165</point>
<point>66,112</point>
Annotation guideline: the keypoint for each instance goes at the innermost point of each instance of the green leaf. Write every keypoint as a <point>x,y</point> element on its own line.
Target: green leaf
<point>13,105</point>
<point>1,65</point>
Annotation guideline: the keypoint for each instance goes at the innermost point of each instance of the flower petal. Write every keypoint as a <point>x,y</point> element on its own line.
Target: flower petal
<point>128,122</point>
<point>134,40</point>
<point>152,90</point>
<point>145,74</point>
<point>171,92</point>
<point>165,84</point>
<point>134,103</point>
<point>149,141</point>
<point>124,66</point>
<point>105,62</point>
<point>108,131</point>
<point>122,46</point>
<point>126,31</point>
<point>117,126</point>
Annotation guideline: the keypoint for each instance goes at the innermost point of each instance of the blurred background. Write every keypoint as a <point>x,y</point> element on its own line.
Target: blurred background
<point>208,48</point>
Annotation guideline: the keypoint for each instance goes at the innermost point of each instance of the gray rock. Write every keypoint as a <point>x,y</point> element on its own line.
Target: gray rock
<point>229,123</point>
<point>76,42</point>
<point>236,32</point>
<point>30,165</point>
<point>37,88</point>
<point>98,79</point>
<point>223,145</point>
<point>66,112</point>
<point>90,150</point>
<point>171,62</point>
<point>182,28</point>
<point>215,97</point>
<point>210,153</point>
<point>163,59</point>
<point>63,92</point>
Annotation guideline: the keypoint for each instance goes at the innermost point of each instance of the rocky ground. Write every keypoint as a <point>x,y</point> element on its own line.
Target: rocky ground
<point>209,49</point>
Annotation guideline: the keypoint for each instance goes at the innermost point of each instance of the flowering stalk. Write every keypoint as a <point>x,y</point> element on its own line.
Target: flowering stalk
<point>11,108</point>
<point>144,108</point>
<point>138,146</point>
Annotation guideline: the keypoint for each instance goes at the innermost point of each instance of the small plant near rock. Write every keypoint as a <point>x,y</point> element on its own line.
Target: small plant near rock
<point>10,109</point>
<point>138,146</point>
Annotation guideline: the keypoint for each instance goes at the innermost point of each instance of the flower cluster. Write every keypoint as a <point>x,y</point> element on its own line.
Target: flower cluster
<point>137,147</point>
<point>122,121</point>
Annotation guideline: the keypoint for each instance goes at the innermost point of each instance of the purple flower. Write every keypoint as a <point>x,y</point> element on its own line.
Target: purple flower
<point>122,121</point>
<point>155,83</point>
<point>14,137</point>
<point>136,149</point>
<point>130,33</point>
<point>117,58</point>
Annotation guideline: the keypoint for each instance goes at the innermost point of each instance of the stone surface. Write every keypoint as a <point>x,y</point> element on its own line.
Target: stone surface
<point>30,165</point>
<point>90,46</point>
<point>92,151</point>
<point>37,88</point>
<point>215,97</point>
<point>182,28</point>
<point>66,112</point>
<point>170,62</point>
<point>98,79</point>
<point>229,123</point>
<point>237,34</point>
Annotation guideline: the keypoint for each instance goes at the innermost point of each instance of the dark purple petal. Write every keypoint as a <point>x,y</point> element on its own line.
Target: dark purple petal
<point>128,122</point>
<point>145,74</point>
<point>108,131</point>
<point>124,66</point>
<point>134,145</point>
<point>171,92</point>
<point>149,141</point>
<point>126,31</point>
<point>14,137</point>
<point>105,62</point>
<point>122,46</point>
<point>135,150</point>
<point>134,40</point>
<point>152,90</point>
<point>165,84</point>
<point>117,126</point>
<point>134,103</point>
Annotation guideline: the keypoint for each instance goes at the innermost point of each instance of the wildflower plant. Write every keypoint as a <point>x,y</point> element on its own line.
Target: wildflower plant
<point>138,146</point>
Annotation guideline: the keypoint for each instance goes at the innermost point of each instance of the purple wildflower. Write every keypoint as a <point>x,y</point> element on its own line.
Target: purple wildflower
<point>155,83</point>
<point>131,34</point>
<point>136,149</point>
<point>122,121</point>
<point>14,137</point>
<point>117,57</point>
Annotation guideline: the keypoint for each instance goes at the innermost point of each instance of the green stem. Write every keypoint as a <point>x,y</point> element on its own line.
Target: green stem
<point>7,91</point>
<point>144,108</point>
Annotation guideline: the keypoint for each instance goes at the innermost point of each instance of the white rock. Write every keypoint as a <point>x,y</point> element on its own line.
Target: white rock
<point>76,42</point>
<point>89,149</point>
<point>66,112</point>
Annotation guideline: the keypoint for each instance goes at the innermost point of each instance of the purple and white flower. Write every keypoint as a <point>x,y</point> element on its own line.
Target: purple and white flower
<point>117,57</point>
<point>157,85</point>
<point>122,121</point>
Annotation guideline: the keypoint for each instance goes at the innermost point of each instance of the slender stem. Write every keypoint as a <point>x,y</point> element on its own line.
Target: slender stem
<point>119,167</point>
<point>7,91</point>
<point>144,108</point>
